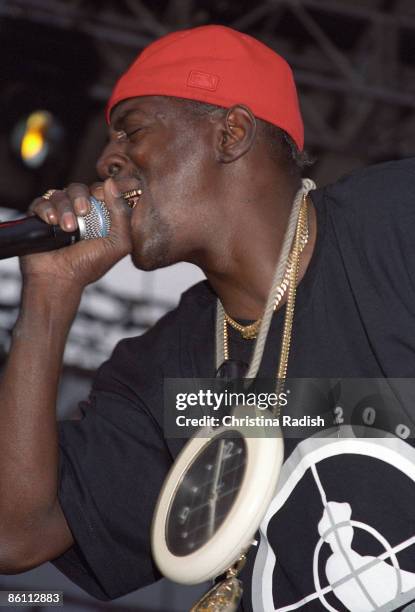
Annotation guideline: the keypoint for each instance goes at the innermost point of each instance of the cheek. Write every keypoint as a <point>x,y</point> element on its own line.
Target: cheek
<point>176,181</point>
<point>180,165</point>
<point>181,180</point>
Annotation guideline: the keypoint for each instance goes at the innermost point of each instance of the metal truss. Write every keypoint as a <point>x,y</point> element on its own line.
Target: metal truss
<point>354,60</point>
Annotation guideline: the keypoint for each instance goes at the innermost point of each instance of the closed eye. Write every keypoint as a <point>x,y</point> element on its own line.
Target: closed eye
<point>129,134</point>
<point>122,135</point>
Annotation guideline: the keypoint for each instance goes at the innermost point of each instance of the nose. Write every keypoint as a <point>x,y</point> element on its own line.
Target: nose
<point>113,163</point>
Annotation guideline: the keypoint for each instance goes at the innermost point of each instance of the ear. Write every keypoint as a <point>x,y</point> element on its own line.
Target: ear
<point>237,133</point>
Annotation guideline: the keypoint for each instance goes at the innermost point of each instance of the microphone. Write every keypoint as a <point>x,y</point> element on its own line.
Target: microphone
<point>33,235</point>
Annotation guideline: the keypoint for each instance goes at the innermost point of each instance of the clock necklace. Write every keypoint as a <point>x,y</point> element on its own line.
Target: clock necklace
<point>221,484</point>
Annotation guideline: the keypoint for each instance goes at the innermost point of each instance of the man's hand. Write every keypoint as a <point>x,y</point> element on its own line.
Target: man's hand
<point>85,261</point>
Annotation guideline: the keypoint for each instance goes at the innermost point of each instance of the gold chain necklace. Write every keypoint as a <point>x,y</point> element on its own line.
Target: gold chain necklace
<point>250,331</point>
<point>289,312</point>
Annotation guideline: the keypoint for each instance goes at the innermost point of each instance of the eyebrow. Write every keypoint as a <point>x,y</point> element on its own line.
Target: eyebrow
<point>119,120</point>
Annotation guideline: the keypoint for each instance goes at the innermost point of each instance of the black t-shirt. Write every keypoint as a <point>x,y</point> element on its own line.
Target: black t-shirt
<point>341,503</point>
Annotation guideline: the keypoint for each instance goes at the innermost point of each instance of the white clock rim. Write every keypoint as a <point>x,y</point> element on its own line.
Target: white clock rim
<point>236,533</point>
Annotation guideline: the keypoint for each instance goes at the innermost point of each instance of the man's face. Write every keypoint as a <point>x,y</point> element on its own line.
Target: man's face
<point>154,141</point>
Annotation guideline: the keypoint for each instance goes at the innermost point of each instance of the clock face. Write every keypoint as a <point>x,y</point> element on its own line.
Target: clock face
<point>206,494</point>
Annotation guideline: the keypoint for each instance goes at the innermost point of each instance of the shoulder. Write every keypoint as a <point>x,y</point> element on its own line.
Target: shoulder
<point>371,208</point>
<point>385,188</point>
<point>370,228</point>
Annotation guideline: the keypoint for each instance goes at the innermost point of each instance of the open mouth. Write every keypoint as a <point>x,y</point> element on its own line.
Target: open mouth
<point>132,197</point>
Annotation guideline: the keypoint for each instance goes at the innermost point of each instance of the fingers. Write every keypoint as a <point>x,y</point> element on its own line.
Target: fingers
<point>97,190</point>
<point>64,206</point>
<point>57,210</point>
<point>116,204</point>
<point>45,209</point>
<point>78,195</point>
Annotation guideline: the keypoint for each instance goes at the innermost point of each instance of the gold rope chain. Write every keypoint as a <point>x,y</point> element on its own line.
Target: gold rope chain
<point>250,331</point>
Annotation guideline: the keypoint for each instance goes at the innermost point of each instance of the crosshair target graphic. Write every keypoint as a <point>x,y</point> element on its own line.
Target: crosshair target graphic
<point>356,556</point>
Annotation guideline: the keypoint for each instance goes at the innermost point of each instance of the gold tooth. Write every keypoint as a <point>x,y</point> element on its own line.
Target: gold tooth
<point>132,197</point>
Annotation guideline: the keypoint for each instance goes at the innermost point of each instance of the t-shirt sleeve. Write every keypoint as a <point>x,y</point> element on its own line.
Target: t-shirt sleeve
<point>112,466</point>
<point>372,213</point>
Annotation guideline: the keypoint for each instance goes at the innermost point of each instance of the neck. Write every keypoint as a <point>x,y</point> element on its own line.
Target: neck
<point>243,275</point>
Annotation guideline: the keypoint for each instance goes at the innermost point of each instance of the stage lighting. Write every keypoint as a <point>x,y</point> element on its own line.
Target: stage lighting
<point>35,137</point>
<point>46,108</point>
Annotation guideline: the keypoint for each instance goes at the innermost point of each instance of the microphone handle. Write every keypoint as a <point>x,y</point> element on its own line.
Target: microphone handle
<point>32,235</point>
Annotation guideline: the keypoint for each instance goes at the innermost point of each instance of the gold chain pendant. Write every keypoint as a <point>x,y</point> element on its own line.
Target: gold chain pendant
<point>226,595</point>
<point>223,597</point>
<point>250,331</point>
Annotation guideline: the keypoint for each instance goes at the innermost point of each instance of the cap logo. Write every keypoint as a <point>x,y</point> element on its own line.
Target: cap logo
<point>202,80</point>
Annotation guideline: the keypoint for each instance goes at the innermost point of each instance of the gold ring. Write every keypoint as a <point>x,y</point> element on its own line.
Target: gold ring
<point>132,197</point>
<point>48,194</point>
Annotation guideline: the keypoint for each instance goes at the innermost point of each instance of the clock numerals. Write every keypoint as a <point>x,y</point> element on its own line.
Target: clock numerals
<point>206,494</point>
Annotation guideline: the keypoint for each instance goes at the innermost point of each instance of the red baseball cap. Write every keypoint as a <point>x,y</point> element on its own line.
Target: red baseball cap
<point>218,65</point>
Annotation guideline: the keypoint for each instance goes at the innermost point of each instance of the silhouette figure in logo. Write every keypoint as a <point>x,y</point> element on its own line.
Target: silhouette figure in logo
<point>361,583</point>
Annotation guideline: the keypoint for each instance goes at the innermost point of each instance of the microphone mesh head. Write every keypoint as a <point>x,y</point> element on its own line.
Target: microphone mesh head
<point>97,223</point>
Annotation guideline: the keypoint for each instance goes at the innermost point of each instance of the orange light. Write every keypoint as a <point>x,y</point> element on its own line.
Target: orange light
<point>32,145</point>
<point>35,137</point>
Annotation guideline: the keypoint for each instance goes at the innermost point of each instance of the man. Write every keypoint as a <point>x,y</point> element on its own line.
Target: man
<point>206,124</point>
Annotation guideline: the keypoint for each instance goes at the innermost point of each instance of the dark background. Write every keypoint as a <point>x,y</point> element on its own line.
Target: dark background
<point>354,63</point>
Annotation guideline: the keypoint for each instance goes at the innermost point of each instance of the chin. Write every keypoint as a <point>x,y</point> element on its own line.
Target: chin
<point>152,241</point>
<point>151,256</point>
<point>147,265</point>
